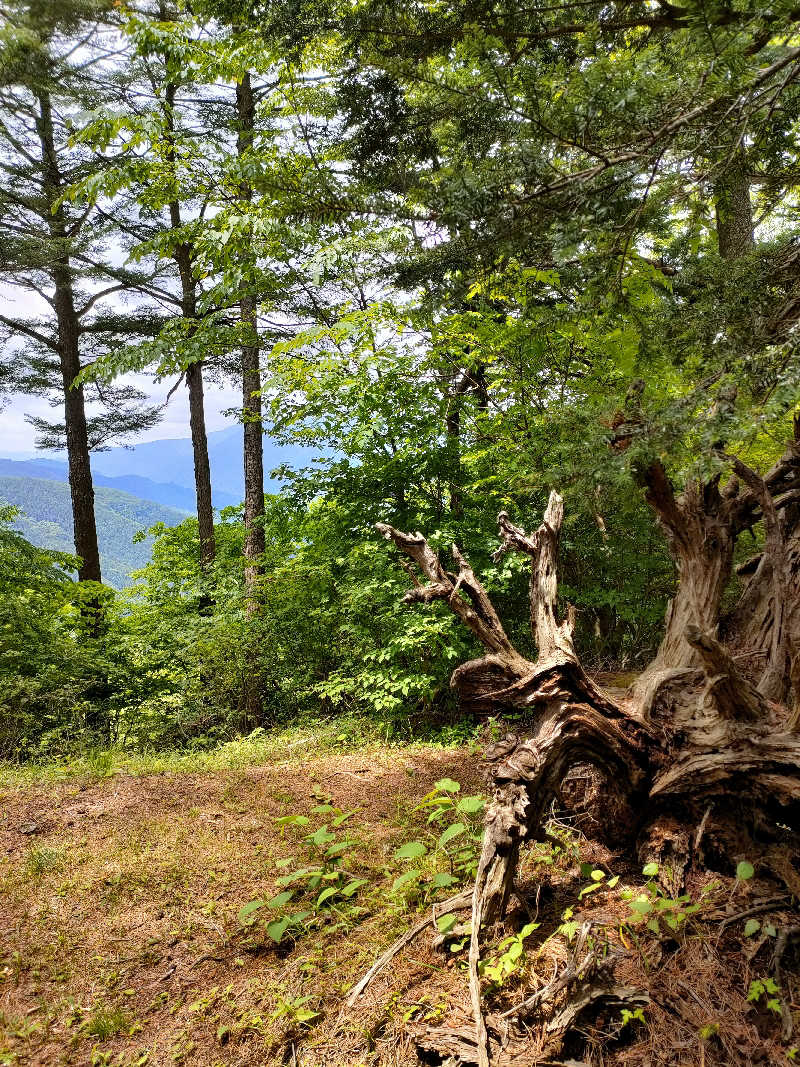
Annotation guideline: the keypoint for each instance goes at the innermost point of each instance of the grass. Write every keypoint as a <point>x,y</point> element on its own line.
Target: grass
<point>340,734</point>
<point>122,884</point>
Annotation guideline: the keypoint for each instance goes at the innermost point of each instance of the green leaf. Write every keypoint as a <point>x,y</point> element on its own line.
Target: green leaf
<point>587,889</point>
<point>652,925</point>
<point>326,894</point>
<point>447,785</point>
<point>411,850</point>
<point>278,928</point>
<point>321,836</point>
<point>650,870</point>
<point>744,870</point>
<point>405,879</point>
<point>246,912</point>
<point>339,847</point>
<point>442,880</point>
<point>451,832</point>
<point>751,927</point>
<point>353,886</point>
<point>598,875</point>
<point>471,805</point>
<point>446,922</point>
<point>281,899</point>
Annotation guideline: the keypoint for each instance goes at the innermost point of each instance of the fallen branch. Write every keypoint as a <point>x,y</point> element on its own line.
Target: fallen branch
<point>461,900</point>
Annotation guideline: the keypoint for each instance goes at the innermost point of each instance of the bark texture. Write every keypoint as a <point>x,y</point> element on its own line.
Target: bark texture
<point>702,526</point>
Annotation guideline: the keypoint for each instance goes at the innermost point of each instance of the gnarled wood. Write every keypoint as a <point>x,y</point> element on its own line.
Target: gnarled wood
<point>705,745</point>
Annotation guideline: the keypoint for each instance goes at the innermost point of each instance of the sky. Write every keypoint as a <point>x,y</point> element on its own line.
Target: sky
<point>17,436</point>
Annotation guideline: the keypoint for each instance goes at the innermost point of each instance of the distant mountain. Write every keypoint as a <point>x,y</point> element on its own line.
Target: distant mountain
<point>167,493</point>
<point>163,471</point>
<point>47,521</point>
<point>170,460</point>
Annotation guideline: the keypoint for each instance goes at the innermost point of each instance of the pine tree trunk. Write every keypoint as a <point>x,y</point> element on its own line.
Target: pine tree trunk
<point>253,449</point>
<point>80,472</point>
<point>202,467</point>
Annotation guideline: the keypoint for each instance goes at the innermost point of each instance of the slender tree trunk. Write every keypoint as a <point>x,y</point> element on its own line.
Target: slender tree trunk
<point>251,377</point>
<point>202,468</point>
<point>253,448</point>
<point>80,472</point>
<point>194,372</point>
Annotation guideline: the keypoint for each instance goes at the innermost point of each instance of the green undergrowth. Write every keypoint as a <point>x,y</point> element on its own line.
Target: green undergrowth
<point>344,734</point>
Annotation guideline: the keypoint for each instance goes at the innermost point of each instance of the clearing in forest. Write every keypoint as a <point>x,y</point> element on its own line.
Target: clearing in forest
<point>127,937</point>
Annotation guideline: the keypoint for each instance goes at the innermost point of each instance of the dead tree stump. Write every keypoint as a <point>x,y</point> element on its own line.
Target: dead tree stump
<point>717,744</point>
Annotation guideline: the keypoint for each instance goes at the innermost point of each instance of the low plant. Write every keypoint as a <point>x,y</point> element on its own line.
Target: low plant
<point>766,989</point>
<point>324,887</point>
<point>510,953</point>
<point>451,843</point>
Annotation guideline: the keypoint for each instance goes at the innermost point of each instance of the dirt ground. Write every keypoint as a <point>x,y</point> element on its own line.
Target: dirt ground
<point>121,941</point>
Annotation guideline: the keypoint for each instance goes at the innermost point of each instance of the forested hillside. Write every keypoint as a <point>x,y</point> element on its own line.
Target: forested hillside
<point>45,518</point>
<point>475,740</point>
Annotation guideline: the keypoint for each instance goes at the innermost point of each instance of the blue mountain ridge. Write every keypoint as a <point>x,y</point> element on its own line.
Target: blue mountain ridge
<point>135,488</point>
<point>163,471</point>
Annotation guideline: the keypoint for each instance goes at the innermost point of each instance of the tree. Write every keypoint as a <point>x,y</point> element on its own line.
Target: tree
<point>148,148</point>
<point>54,252</point>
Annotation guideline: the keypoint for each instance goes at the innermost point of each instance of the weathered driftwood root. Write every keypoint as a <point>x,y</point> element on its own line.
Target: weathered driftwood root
<point>707,740</point>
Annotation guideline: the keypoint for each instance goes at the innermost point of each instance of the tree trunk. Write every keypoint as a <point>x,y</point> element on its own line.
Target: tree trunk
<point>253,449</point>
<point>721,751</point>
<point>80,472</point>
<point>251,377</point>
<point>733,208</point>
<point>202,468</point>
<point>182,255</point>
<point>767,613</point>
<point>699,529</point>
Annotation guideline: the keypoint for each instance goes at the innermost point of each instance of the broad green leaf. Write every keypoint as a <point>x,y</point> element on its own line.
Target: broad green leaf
<point>447,785</point>
<point>281,899</point>
<point>411,850</point>
<point>246,912</point>
<point>353,887</point>
<point>446,922</point>
<point>451,832</point>
<point>278,928</point>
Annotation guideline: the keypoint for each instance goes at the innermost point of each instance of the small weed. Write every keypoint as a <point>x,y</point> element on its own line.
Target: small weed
<point>768,988</point>
<point>104,1023</point>
<point>41,860</point>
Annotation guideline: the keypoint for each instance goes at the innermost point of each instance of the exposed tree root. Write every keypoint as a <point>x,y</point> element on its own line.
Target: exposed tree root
<point>705,757</point>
